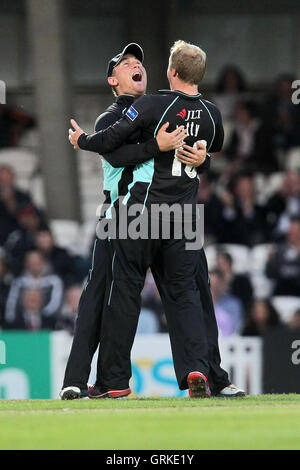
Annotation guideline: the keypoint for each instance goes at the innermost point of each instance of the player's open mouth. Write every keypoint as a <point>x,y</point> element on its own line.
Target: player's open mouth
<point>137,77</point>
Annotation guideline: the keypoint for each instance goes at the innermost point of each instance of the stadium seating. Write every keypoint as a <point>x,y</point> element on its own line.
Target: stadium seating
<point>85,236</point>
<point>65,233</point>
<point>28,177</point>
<point>88,164</point>
<point>262,286</point>
<point>78,238</point>
<point>259,257</point>
<point>260,185</point>
<point>286,306</point>
<point>91,183</point>
<point>292,161</point>
<point>37,190</point>
<point>23,162</point>
<point>211,252</point>
<point>273,183</point>
<point>30,140</point>
<point>244,259</point>
<point>240,256</point>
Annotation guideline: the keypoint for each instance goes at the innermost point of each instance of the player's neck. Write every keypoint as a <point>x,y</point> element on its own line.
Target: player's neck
<point>184,87</point>
<point>131,93</point>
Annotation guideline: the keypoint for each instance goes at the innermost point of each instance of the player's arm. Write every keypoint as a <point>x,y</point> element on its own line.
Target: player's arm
<point>107,140</point>
<point>205,166</point>
<point>126,154</point>
<point>103,141</point>
<point>217,143</point>
<point>133,154</point>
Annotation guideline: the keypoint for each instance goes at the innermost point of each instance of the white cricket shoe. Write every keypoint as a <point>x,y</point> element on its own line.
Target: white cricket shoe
<point>231,391</point>
<point>70,393</point>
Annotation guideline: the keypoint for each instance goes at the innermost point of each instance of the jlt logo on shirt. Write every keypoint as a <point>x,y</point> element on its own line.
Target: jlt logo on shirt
<point>190,115</point>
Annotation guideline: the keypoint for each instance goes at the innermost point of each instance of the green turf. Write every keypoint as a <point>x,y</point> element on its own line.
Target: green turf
<point>262,422</point>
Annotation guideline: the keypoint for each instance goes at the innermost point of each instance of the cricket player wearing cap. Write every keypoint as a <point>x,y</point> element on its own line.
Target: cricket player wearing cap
<point>128,79</point>
<point>155,112</point>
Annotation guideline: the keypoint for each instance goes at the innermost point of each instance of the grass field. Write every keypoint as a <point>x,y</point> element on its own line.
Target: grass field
<point>261,422</point>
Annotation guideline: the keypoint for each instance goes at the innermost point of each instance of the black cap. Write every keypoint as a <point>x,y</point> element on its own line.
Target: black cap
<point>131,48</point>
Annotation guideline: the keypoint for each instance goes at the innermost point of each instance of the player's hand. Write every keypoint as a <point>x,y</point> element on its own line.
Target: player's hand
<point>167,141</point>
<point>74,135</point>
<point>192,156</point>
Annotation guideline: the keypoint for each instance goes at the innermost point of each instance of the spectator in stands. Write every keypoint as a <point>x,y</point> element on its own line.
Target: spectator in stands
<point>12,198</point>
<point>32,305</point>
<point>228,309</point>
<point>13,122</point>
<point>12,201</point>
<point>61,262</point>
<point>19,219</point>
<point>238,285</point>
<point>29,314</point>
<point>242,219</point>
<point>67,318</point>
<point>249,147</point>
<point>5,280</point>
<point>284,263</point>
<point>35,277</point>
<point>281,116</point>
<point>22,240</point>
<point>294,323</point>
<point>230,89</point>
<point>283,205</point>
<point>263,316</point>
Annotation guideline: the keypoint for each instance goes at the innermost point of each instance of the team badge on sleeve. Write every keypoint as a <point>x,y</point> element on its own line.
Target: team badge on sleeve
<point>132,113</point>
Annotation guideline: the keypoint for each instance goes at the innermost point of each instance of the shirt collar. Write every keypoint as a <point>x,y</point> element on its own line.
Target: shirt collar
<point>125,100</point>
<point>180,93</point>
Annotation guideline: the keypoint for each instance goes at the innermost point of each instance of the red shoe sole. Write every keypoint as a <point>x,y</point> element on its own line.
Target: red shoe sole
<point>119,393</point>
<point>198,385</point>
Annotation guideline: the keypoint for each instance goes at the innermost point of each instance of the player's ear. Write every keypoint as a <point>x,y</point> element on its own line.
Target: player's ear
<point>112,81</point>
<point>173,73</point>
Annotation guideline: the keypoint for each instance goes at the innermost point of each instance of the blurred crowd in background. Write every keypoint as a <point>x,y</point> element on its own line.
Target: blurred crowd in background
<point>252,225</point>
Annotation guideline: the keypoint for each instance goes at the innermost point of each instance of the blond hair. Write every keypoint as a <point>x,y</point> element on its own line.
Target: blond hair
<point>189,61</point>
